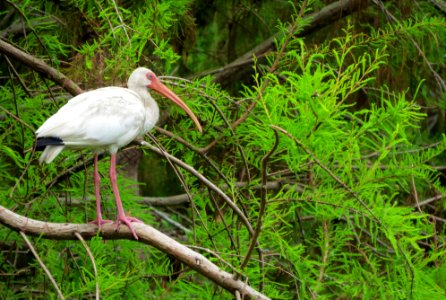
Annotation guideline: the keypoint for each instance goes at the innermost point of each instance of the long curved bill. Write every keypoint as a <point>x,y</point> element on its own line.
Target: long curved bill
<point>163,90</point>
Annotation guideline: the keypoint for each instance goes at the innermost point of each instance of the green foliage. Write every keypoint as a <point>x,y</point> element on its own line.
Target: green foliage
<point>343,191</point>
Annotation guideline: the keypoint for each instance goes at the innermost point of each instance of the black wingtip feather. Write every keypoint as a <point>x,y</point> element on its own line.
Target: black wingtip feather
<point>42,142</point>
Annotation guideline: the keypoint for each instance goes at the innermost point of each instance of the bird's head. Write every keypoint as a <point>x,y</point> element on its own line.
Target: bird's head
<point>143,77</point>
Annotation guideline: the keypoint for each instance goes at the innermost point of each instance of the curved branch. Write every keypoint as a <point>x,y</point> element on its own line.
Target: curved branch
<point>206,182</point>
<point>147,235</point>
<point>41,67</point>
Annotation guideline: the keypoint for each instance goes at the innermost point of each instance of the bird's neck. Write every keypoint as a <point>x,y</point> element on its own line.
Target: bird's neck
<point>152,109</point>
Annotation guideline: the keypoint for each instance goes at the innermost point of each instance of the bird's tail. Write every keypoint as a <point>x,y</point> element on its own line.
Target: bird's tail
<point>51,147</point>
<point>50,153</point>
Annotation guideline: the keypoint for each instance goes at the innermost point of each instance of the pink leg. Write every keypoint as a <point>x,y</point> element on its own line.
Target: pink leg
<point>99,221</point>
<point>122,218</point>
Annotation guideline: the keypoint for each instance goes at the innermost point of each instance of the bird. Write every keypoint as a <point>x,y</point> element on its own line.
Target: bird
<point>107,119</point>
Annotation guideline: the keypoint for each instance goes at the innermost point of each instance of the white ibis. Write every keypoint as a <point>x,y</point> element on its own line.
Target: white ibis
<point>106,119</point>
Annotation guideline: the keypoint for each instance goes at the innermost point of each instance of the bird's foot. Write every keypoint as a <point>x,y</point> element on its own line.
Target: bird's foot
<point>128,222</point>
<point>99,222</point>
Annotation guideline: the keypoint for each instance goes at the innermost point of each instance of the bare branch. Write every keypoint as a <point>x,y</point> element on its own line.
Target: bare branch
<point>428,201</point>
<point>170,221</point>
<point>147,235</point>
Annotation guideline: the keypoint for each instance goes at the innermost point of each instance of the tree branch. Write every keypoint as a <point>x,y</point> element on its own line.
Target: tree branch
<point>41,67</point>
<point>147,235</point>
<point>325,16</point>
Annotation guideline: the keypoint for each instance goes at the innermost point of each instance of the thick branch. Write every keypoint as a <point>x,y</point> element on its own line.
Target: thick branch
<point>41,67</point>
<point>147,235</point>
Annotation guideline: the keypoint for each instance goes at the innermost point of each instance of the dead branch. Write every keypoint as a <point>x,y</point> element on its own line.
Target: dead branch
<point>41,67</point>
<point>147,235</point>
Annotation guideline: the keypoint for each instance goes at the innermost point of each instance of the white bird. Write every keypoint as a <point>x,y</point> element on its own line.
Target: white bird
<point>107,119</point>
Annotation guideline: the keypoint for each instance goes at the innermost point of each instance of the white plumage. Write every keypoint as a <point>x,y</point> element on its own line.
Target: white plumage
<point>106,119</point>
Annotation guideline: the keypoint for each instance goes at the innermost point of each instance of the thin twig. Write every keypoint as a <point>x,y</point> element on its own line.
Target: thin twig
<point>42,265</point>
<point>237,295</point>
<point>90,254</point>
<point>428,201</point>
<point>183,182</point>
<point>416,150</point>
<point>166,201</point>
<point>17,75</point>
<point>24,173</point>
<point>17,119</point>
<point>263,196</point>
<point>121,21</point>
<point>184,198</point>
<point>415,193</point>
<point>170,221</point>
<point>217,256</point>
<point>205,181</point>
<point>179,139</point>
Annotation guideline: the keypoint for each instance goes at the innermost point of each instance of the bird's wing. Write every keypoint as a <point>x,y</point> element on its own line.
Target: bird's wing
<point>107,116</point>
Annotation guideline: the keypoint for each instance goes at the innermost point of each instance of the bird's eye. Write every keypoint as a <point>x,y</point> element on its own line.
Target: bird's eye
<point>150,76</point>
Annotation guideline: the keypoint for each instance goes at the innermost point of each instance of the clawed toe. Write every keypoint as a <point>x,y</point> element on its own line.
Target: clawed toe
<point>128,222</point>
<point>133,220</point>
